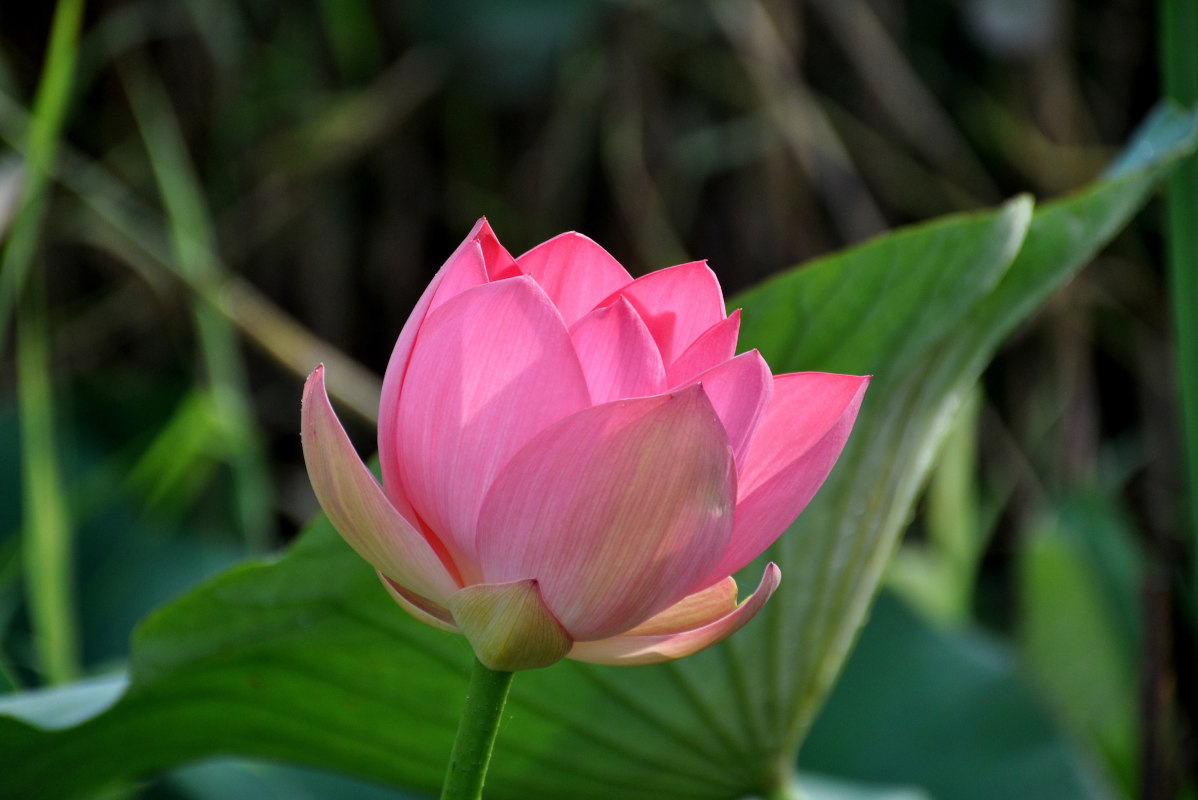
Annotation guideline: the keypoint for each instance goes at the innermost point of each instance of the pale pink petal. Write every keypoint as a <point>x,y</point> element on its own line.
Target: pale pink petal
<point>357,506</point>
<point>575,272</point>
<point>678,304</point>
<point>629,650</point>
<point>797,442</point>
<point>618,354</point>
<point>464,269</point>
<point>492,367</point>
<point>693,611</point>
<point>419,607</point>
<point>714,346</point>
<point>740,390</point>
<point>616,510</point>
<point>509,626</point>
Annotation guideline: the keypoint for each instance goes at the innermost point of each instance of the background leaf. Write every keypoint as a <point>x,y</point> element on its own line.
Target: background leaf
<point>909,690</point>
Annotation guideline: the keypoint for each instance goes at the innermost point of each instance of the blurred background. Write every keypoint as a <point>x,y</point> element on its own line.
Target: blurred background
<point>248,187</point>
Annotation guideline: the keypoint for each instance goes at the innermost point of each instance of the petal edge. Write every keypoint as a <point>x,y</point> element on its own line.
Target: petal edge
<point>357,505</point>
<point>629,650</point>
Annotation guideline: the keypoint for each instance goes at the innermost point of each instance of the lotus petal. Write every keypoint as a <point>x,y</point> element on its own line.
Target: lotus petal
<point>631,649</point>
<point>492,368</point>
<point>575,272</point>
<point>797,442</point>
<point>714,346</point>
<point>678,304</point>
<point>617,510</point>
<point>358,507</point>
<point>465,268</point>
<point>419,607</point>
<point>740,390</point>
<point>618,354</point>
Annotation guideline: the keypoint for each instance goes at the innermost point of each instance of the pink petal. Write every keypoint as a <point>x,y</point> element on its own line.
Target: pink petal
<point>575,272</point>
<point>797,442</point>
<point>652,649</point>
<point>616,510</point>
<point>492,368</point>
<point>499,261</point>
<point>467,270</point>
<point>509,626</point>
<point>693,611</point>
<point>740,390</point>
<point>464,269</point>
<point>714,346</point>
<point>678,304</point>
<point>357,506</point>
<point>618,355</point>
<point>419,607</point>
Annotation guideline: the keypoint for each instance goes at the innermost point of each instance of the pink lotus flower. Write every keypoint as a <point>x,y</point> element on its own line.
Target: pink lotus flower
<point>575,462</point>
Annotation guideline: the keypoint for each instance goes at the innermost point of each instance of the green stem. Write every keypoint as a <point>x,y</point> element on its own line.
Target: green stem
<point>476,733</point>
<point>45,127</point>
<point>46,530</point>
<point>1179,31</point>
<point>46,535</point>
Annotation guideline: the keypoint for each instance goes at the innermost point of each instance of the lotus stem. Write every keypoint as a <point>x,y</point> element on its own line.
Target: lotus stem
<point>476,733</point>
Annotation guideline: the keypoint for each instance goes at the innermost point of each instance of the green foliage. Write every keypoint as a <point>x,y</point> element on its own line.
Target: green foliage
<point>1178,29</point>
<point>1080,575</point>
<point>306,660</point>
<point>910,690</point>
<point>938,576</point>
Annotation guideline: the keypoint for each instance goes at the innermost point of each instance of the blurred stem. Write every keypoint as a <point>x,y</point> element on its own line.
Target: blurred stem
<point>49,108</point>
<point>194,249</point>
<point>46,535</point>
<point>476,733</point>
<point>46,529</point>
<point>787,789</point>
<point>1179,32</point>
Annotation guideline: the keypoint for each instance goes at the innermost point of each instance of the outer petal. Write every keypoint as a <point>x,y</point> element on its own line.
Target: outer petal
<point>575,272</point>
<point>796,444</point>
<point>616,510</point>
<point>654,648</point>
<point>493,367</point>
<point>618,354</point>
<point>357,506</point>
<point>678,304</point>
<point>421,608</point>
<point>509,626</point>
<point>740,390</point>
<point>692,611</point>
<point>465,268</point>
<point>714,346</point>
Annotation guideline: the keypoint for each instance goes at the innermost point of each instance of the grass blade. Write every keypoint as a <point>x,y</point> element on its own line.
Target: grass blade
<point>194,248</point>
<point>46,530</point>
<point>1179,31</point>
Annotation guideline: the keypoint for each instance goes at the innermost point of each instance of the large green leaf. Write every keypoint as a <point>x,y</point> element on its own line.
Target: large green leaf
<point>306,660</point>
